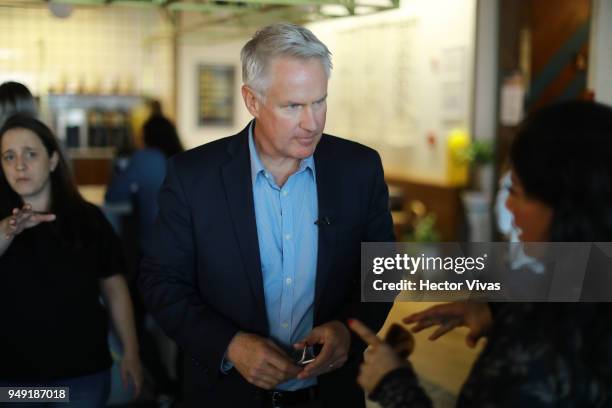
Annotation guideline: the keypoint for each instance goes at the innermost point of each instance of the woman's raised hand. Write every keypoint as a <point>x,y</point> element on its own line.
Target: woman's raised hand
<point>476,316</point>
<point>21,219</point>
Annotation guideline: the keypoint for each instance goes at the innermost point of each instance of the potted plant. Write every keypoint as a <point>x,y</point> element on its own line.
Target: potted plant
<point>480,155</point>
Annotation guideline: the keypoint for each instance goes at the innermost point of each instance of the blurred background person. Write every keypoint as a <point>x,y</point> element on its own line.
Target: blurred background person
<point>137,180</point>
<point>58,254</point>
<point>159,132</point>
<point>537,354</point>
<point>505,225</point>
<point>16,98</point>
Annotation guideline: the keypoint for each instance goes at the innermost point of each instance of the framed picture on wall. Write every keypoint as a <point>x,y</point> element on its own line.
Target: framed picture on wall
<point>215,95</point>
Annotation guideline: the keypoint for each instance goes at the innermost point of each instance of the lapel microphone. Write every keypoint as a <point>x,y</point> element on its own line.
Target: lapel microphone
<point>323,221</point>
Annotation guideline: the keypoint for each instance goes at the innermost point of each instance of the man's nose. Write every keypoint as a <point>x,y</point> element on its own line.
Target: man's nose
<point>307,121</point>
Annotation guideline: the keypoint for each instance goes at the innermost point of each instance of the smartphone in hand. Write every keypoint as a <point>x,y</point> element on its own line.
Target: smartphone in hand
<point>307,355</point>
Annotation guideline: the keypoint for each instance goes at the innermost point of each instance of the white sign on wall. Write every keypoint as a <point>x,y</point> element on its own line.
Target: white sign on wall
<point>402,80</point>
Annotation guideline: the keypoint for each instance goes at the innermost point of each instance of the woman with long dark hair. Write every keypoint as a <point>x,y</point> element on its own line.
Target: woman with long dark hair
<point>537,354</point>
<point>58,255</point>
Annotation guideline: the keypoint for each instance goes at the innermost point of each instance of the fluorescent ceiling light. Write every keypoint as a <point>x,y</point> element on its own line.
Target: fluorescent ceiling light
<point>361,10</point>
<point>334,10</point>
<point>7,54</point>
<point>375,3</point>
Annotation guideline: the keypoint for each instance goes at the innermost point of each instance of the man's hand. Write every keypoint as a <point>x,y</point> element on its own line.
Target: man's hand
<point>260,361</point>
<point>476,316</point>
<point>21,219</point>
<point>379,359</point>
<point>336,341</point>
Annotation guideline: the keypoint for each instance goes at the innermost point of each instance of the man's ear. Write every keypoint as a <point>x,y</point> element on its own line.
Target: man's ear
<point>53,160</point>
<point>251,101</point>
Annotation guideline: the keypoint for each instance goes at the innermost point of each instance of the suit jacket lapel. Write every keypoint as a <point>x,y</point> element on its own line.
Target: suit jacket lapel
<point>236,174</point>
<point>328,198</point>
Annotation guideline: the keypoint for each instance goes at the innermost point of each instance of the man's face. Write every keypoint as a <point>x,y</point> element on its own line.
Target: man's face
<point>291,118</point>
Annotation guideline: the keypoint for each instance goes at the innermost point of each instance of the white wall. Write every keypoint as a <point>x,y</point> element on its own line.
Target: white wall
<point>436,51</point>
<point>99,48</point>
<point>439,26</point>
<point>600,55</point>
<point>486,69</point>
<point>190,57</point>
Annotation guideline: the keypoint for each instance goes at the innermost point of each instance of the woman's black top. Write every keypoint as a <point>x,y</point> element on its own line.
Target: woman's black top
<point>53,324</point>
<point>537,355</point>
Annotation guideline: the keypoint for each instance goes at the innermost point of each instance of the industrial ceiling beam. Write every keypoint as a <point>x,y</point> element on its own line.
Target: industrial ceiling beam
<point>82,2</point>
<point>231,5</point>
<point>290,9</point>
<point>291,2</point>
<point>209,7</point>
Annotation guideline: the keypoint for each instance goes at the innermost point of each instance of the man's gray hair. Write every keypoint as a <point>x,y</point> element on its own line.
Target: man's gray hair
<point>279,40</point>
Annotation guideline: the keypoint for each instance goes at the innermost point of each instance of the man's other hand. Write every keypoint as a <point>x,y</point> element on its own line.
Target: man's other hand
<point>336,341</point>
<point>260,361</point>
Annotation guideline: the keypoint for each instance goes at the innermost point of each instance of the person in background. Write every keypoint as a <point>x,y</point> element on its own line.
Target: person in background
<point>138,181</point>
<point>160,133</point>
<point>141,175</point>
<point>58,254</point>
<point>537,354</point>
<point>505,225</point>
<point>16,98</point>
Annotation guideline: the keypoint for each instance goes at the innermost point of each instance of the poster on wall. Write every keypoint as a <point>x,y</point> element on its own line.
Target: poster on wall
<point>215,95</point>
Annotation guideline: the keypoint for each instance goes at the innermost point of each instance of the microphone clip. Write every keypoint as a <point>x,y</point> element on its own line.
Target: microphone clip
<point>323,221</point>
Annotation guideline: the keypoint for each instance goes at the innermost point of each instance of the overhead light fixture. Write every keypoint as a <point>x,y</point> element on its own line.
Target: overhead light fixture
<point>60,10</point>
<point>376,3</point>
<point>334,10</point>
<point>363,10</point>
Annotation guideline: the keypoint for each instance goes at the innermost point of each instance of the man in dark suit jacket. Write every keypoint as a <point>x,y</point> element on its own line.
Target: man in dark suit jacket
<point>258,238</point>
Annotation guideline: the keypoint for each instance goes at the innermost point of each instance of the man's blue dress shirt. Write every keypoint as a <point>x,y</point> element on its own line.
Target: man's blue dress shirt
<point>288,242</point>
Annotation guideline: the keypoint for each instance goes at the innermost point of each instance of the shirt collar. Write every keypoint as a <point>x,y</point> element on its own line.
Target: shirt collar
<point>258,167</point>
<point>256,164</point>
